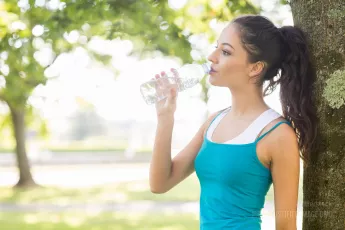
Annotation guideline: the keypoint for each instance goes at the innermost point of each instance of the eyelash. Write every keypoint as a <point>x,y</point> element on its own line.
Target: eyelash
<point>225,53</point>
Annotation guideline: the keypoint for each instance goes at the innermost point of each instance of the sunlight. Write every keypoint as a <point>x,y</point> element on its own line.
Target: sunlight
<point>38,30</point>
<point>177,4</point>
<point>31,218</point>
<point>118,197</point>
<point>138,186</point>
<point>74,220</point>
<point>55,218</point>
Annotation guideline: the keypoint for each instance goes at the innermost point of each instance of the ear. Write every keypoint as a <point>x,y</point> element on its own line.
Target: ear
<point>256,69</point>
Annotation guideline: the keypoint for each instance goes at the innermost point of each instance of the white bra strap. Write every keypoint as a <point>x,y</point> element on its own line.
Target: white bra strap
<point>250,134</point>
<point>215,123</point>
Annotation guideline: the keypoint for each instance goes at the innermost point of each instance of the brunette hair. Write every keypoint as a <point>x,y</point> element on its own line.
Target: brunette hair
<point>287,61</point>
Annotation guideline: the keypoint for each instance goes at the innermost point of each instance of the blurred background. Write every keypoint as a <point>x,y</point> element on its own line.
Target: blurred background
<point>76,135</point>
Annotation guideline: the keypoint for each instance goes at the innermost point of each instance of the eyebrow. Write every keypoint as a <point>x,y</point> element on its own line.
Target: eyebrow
<point>227,44</point>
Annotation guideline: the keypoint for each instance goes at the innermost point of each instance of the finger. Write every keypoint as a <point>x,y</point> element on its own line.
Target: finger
<point>166,83</point>
<point>164,76</point>
<point>158,84</point>
<point>174,71</point>
<point>157,77</point>
<point>176,76</point>
<point>172,96</point>
<point>166,80</point>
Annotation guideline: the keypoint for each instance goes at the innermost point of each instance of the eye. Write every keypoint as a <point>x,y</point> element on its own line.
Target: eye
<point>226,53</point>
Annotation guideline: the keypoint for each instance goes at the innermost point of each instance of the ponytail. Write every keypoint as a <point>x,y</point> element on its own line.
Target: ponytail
<point>285,51</point>
<point>297,79</point>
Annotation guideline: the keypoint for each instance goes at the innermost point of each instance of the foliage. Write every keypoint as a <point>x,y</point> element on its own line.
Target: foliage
<point>29,29</point>
<point>34,33</point>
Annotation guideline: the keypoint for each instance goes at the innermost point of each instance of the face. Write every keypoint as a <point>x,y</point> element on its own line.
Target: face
<point>230,67</point>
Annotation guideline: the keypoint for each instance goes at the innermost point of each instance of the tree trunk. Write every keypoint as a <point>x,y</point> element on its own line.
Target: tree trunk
<point>18,121</point>
<point>324,176</point>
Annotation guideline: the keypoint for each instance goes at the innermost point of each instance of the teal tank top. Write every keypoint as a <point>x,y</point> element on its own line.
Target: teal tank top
<point>233,184</point>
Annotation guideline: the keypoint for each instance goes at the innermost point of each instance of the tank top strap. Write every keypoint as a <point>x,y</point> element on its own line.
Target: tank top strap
<point>273,128</point>
<point>251,133</point>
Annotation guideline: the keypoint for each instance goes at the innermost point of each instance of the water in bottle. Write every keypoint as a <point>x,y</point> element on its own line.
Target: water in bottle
<point>187,76</point>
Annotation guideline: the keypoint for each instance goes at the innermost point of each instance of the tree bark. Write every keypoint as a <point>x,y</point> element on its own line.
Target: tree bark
<point>18,122</point>
<point>324,176</point>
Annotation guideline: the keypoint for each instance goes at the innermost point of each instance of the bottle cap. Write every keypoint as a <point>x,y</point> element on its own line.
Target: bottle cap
<point>206,67</point>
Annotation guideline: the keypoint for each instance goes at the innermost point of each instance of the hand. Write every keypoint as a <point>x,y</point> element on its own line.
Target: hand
<point>168,88</point>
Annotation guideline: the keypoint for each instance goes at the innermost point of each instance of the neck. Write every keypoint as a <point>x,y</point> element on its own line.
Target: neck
<point>247,103</point>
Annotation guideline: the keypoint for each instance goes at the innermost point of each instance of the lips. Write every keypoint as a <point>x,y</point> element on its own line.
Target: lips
<point>212,70</point>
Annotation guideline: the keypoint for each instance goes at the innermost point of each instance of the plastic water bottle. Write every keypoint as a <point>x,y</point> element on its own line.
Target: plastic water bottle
<point>188,76</point>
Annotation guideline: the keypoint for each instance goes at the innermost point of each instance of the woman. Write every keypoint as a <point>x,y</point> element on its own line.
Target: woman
<point>240,151</point>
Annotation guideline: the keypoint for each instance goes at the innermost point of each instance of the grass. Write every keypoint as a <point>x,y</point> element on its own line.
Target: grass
<point>97,221</point>
<point>188,190</point>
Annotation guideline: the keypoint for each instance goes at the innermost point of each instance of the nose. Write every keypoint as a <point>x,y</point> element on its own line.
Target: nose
<point>213,57</point>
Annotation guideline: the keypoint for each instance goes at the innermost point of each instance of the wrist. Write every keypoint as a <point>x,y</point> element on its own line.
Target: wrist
<point>165,117</point>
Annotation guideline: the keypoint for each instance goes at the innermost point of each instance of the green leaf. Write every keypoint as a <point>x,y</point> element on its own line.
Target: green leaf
<point>150,24</point>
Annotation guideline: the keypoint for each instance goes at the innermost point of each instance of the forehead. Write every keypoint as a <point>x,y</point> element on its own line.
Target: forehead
<point>230,35</point>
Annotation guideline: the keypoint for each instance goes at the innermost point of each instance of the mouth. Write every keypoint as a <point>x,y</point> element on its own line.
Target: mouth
<point>212,70</point>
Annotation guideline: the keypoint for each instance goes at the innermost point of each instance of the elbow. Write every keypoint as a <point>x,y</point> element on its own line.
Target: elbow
<point>156,190</point>
<point>157,186</point>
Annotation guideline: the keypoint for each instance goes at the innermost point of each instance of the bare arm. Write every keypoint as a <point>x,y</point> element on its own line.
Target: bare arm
<point>164,172</point>
<point>285,174</point>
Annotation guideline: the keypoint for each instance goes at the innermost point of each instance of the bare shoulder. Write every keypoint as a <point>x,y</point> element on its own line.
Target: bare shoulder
<point>283,130</point>
<point>283,133</point>
<point>282,139</point>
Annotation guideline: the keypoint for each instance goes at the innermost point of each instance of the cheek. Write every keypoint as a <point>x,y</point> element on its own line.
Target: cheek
<point>234,65</point>
<point>234,72</point>
<point>233,69</point>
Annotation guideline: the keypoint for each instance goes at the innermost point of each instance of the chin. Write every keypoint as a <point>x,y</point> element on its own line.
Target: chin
<point>213,81</point>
